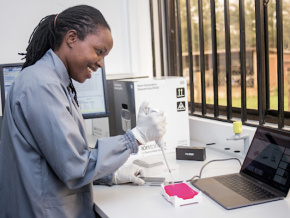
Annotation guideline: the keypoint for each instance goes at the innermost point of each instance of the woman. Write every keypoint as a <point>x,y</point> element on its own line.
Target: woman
<point>46,168</point>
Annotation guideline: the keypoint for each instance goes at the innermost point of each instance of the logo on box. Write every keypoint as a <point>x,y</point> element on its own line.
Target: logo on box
<point>181,106</point>
<point>180,92</point>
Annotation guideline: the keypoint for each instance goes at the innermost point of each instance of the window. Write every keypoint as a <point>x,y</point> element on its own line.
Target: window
<point>235,55</point>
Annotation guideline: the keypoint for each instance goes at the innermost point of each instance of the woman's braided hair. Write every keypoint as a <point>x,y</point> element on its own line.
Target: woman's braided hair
<point>51,29</point>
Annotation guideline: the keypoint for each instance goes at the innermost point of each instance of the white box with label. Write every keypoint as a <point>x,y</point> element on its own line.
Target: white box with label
<point>166,93</point>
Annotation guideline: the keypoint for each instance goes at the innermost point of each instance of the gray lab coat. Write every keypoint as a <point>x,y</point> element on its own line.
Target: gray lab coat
<point>46,167</point>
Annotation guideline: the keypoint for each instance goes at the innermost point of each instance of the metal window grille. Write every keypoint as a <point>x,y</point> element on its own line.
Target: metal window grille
<point>169,17</point>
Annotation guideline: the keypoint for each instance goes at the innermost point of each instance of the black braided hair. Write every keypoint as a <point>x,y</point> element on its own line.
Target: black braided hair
<point>50,31</point>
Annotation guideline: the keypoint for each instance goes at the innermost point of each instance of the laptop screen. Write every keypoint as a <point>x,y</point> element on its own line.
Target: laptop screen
<point>268,158</point>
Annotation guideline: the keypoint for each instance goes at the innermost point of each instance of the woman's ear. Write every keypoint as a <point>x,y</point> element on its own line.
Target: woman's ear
<point>71,38</point>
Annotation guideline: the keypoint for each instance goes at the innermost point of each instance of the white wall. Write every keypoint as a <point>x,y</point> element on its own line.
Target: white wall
<point>211,131</point>
<point>129,21</point>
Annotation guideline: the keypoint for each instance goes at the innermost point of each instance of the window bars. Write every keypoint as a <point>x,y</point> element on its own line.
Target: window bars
<point>170,36</point>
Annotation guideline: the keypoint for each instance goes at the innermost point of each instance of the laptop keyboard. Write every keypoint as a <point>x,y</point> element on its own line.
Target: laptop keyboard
<point>245,187</point>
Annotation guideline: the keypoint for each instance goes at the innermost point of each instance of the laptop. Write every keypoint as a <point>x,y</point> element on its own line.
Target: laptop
<point>265,173</point>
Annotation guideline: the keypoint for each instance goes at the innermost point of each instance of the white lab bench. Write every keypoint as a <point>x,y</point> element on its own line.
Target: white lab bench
<point>146,201</point>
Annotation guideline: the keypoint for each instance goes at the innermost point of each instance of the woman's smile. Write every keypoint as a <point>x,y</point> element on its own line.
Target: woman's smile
<point>90,70</point>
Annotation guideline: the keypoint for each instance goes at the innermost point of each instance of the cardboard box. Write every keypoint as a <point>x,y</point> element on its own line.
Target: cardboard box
<point>166,93</point>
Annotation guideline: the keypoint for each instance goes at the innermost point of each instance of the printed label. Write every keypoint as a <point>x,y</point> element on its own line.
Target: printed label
<point>181,106</point>
<point>180,92</point>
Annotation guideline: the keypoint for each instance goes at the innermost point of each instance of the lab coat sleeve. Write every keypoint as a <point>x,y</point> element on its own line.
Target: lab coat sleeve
<point>48,112</point>
<point>107,180</point>
<point>111,153</point>
<point>101,144</point>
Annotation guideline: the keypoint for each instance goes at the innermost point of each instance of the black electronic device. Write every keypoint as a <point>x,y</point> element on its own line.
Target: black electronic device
<point>190,153</point>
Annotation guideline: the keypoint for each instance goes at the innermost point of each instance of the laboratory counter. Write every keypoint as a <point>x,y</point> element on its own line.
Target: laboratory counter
<point>129,200</point>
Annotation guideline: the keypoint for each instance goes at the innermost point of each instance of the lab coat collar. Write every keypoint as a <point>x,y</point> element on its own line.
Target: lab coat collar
<point>60,68</point>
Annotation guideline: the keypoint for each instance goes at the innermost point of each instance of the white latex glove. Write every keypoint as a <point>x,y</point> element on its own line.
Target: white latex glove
<point>129,173</point>
<point>150,125</point>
